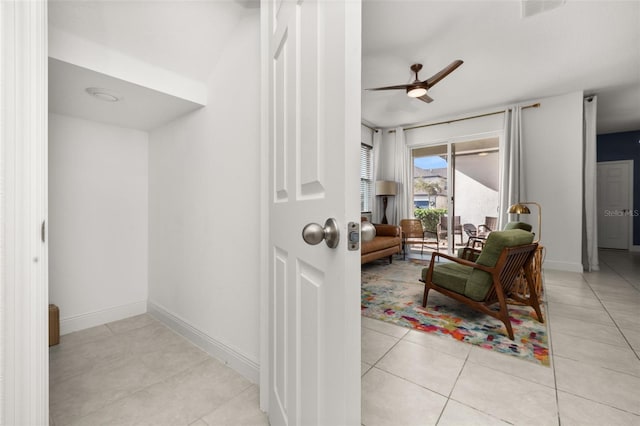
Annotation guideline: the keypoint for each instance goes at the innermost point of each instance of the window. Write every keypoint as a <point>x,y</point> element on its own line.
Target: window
<point>366,177</point>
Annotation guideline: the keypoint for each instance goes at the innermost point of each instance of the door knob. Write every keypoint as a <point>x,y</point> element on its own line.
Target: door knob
<point>314,233</point>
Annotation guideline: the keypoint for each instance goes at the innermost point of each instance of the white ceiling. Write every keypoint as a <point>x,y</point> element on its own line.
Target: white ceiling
<point>182,36</point>
<point>139,107</point>
<point>592,46</point>
<point>161,41</point>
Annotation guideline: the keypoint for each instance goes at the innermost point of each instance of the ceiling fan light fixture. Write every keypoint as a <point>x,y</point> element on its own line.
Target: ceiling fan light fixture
<point>416,92</point>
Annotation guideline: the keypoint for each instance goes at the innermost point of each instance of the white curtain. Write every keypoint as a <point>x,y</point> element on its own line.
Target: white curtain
<point>590,218</point>
<point>511,181</point>
<point>402,176</point>
<point>376,205</point>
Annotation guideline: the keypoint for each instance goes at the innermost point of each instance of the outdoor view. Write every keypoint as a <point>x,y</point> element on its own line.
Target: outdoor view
<point>471,193</point>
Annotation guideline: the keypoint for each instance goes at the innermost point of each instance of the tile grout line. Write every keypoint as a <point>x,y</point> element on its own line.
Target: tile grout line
<point>607,310</point>
<point>466,359</point>
<point>404,378</point>
<point>129,356</point>
<point>553,361</point>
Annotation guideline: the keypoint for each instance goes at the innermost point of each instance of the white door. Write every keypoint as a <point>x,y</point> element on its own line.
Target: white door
<point>614,204</point>
<point>311,71</point>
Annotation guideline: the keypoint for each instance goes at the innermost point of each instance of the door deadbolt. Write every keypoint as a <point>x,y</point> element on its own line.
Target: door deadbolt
<point>314,233</point>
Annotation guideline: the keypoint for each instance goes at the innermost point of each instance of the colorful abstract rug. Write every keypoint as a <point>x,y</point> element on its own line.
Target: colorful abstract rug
<point>392,293</point>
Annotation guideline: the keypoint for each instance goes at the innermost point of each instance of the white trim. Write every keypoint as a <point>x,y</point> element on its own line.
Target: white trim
<point>631,168</point>
<point>630,165</point>
<point>24,354</point>
<point>563,266</point>
<point>265,9</point>
<point>217,349</point>
<point>635,248</point>
<point>470,137</point>
<point>92,319</point>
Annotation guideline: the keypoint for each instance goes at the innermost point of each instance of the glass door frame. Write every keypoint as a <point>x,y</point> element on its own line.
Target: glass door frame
<point>450,191</point>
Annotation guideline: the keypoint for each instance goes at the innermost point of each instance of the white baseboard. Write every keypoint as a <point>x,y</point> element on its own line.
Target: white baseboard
<point>219,350</point>
<point>635,248</point>
<point>92,319</point>
<point>562,266</point>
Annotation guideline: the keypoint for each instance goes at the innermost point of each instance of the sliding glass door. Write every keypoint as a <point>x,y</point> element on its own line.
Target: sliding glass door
<point>456,190</point>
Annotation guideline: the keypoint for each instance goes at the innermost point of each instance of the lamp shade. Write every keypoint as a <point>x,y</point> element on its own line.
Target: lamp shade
<point>519,209</point>
<point>386,187</point>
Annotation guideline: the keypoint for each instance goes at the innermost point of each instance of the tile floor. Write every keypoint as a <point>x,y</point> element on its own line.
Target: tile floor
<point>414,378</point>
<point>137,371</point>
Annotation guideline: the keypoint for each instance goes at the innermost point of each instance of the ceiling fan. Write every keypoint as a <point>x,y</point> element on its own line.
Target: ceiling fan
<point>418,89</point>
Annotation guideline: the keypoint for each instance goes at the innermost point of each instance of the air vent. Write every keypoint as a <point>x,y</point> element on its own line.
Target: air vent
<point>534,7</point>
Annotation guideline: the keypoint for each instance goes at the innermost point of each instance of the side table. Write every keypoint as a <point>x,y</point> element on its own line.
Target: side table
<point>521,287</point>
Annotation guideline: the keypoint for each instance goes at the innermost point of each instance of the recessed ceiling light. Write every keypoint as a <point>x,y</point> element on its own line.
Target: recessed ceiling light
<point>103,94</point>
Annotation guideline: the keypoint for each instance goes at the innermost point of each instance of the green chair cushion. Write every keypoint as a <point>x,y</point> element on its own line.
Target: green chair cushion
<point>479,281</point>
<point>451,276</point>
<point>518,225</point>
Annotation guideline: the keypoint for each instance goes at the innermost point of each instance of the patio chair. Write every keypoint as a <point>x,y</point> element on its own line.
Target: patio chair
<point>490,279</point>
<point>443,228</point>
<point>413,233</point>
<point>490,224</point>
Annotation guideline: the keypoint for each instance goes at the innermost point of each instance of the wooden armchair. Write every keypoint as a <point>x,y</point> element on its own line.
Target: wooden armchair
<point>490,279</point>
<point>413,233</point>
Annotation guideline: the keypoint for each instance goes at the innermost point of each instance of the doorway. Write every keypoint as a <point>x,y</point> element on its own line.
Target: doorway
<point>615,200</point>
<point>457,180</point>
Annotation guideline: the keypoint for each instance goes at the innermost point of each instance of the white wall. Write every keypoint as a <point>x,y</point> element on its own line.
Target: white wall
<point>553,176</point>
<point>204,205</point>
<point>552,151</point>
<point>366,135</point>
<point>475,201</point>
<point>97,221</point>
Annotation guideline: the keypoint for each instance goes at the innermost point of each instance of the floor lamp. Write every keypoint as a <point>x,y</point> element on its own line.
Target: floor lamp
<point>384,189</point>
<point>521,208</point>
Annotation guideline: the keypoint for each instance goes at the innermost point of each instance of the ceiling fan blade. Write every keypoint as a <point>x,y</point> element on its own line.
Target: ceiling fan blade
<point>443,73</point>
<point>425,98</point>
<point>398,87</point>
